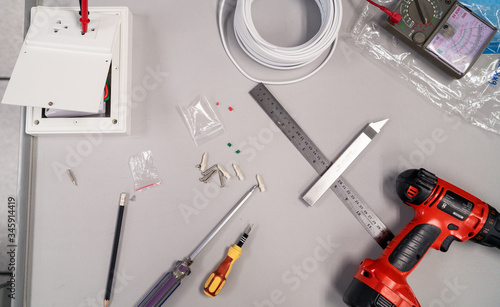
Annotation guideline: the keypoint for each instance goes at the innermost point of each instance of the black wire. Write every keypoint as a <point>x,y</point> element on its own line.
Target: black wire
<point>81,8</point>
<point>4,285</point>
<point>4,78</point>
<point>5,273</point>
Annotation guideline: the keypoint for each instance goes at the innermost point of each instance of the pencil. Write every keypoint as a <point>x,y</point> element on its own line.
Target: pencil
<point>114,253</point>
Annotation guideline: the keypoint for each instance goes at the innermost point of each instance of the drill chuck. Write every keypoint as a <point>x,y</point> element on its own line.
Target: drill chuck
<point>490,233</point>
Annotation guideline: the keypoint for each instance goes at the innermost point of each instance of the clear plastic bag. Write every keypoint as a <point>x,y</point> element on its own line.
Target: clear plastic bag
<point>476,96</point>
<point>144,171</point>
<point>490,10</point>
<point>201,120</point>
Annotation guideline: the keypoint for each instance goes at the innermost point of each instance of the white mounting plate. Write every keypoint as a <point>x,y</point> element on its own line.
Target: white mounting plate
<point>120,59</point>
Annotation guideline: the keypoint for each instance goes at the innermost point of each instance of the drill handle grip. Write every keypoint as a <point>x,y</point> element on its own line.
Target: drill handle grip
<point>410,245</point>
<point>370,286</point>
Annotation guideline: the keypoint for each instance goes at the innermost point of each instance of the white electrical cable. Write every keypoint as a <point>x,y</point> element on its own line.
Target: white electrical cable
<point>283,58</point>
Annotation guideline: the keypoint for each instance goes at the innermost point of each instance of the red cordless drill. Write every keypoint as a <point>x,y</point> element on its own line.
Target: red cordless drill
<point>443,213</point>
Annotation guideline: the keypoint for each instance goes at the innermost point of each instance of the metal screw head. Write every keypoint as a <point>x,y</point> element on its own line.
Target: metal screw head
<point>51,103</point>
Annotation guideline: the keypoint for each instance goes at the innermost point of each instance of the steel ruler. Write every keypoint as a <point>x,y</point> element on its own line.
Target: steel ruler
<point>351,199</point>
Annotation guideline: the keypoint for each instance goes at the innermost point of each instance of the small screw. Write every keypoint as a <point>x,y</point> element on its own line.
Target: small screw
<point>207,177</point>
<point>114,121</point>
<point>222,179</point>
<point>50,103</point>
<point>204,173</point>
<point>71,176</point>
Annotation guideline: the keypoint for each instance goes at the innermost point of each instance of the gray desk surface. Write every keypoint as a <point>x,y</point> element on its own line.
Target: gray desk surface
<point>282,263</point>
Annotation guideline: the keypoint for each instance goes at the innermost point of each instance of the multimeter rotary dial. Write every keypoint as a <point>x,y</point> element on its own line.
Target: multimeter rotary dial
<point>421,11</point>
<point>421,15</point>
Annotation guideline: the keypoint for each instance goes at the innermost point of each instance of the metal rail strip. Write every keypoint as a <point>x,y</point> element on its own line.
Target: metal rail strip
<point>24,192</point>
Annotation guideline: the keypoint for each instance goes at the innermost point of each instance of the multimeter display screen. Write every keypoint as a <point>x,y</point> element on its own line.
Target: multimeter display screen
<point>460,40</point>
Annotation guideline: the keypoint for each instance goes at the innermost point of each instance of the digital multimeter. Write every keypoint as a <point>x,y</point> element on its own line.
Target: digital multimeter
<point>445,32</point>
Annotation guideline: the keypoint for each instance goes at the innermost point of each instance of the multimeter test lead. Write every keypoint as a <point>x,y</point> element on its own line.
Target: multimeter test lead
<point>395,16</point>
<point>84,12</point>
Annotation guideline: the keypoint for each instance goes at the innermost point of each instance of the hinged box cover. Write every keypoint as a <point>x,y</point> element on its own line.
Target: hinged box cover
<point>60,68</point>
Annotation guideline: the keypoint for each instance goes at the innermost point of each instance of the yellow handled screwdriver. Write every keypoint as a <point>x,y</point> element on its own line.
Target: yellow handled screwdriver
<point>218,278</point>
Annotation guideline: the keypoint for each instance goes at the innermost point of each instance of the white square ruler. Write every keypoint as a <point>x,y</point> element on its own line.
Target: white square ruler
<point>330,172</point>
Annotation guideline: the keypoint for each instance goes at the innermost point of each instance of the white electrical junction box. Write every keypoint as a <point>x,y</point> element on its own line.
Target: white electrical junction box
<point>60,68</point>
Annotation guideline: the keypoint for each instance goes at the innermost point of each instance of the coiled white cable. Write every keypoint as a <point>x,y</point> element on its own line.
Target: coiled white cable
<point>283,58</point>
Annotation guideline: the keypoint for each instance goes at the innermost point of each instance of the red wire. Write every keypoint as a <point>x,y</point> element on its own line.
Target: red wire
<point>106,91</point>
<point>85,15</point>
<point>395,16</point>
<point>376,4</point>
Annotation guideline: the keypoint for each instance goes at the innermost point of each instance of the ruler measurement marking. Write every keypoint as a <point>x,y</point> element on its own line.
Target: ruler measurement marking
<point>320,163</point>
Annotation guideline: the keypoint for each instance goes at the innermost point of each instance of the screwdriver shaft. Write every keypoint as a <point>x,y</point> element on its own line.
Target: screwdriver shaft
<point>221,224</point>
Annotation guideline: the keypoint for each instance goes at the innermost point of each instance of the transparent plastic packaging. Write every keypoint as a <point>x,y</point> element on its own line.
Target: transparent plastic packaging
<point>476,96</point>
<point>144,171</point>
<point>201,120</point>
<point>490,10</point>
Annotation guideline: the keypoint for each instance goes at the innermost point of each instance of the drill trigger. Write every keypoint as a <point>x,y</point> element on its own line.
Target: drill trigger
<point>447,242</point>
